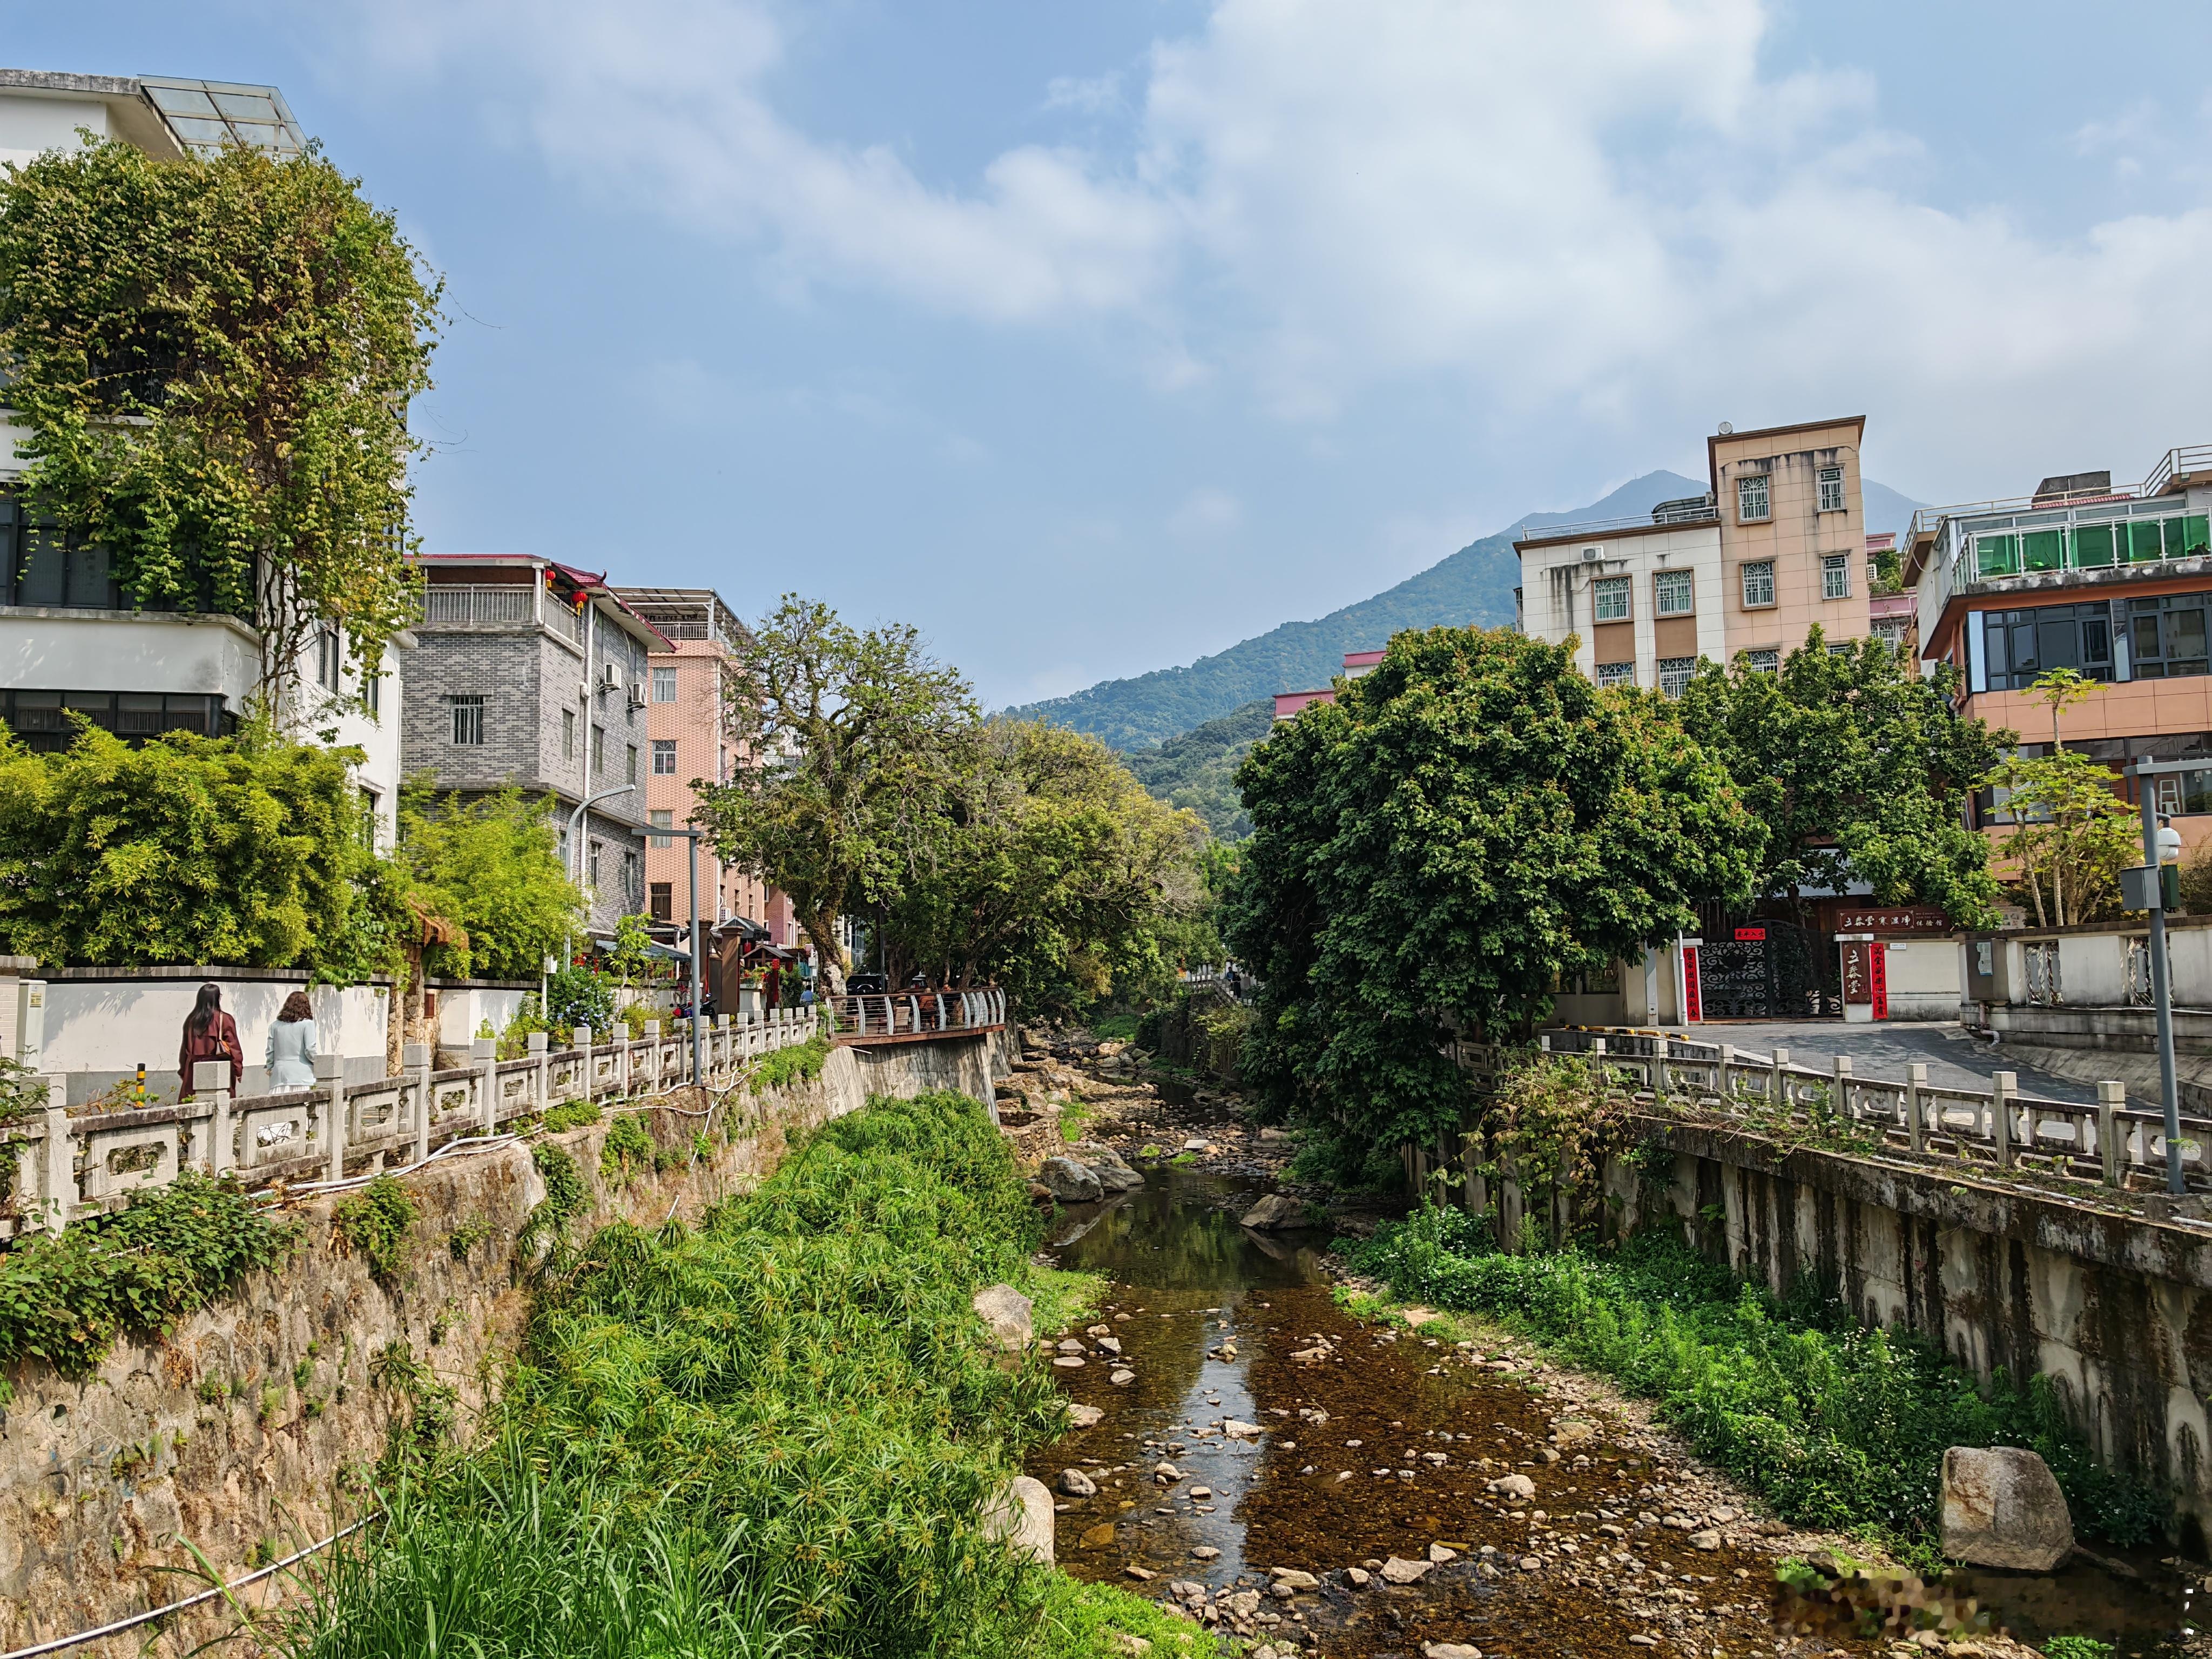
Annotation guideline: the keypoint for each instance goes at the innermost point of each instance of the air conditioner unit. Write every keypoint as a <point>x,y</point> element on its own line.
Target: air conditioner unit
<point>637,692</point>
<point>610,677</point>
<point>1592,554</point>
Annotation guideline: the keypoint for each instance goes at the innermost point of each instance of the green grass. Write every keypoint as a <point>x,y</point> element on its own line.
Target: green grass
<point>374,1224</point>
<point>1838,1427</point>
<point>1116,1028</point>
<point>770,1435</point>
<point>802,1062</point>
<point>65,1299</point>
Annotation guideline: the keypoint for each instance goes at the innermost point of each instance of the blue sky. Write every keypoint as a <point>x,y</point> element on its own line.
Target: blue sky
<point>1092,338</point>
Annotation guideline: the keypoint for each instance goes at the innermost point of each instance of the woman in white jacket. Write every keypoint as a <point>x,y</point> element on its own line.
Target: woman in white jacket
<point>292,1045</point>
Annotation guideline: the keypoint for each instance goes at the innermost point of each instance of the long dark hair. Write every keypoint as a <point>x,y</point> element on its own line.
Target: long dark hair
<point>204,1010</point>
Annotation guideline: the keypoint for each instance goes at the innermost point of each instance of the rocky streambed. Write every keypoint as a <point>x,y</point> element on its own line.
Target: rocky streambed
<point>1254,1453</point>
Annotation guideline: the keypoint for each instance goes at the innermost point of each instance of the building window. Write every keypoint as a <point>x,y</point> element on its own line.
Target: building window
<point>664,686</point>
<point>1758,583</point>
<point>633,880</point>
<point>1763,662</point>
<point>1675,592</point>
<point>663,757</point>
<point>1616,673</point>
<point>662,900</point>
<point>567,734</point>
<point>598,750</point>
<point>1674,675</point>
<point>662,820</point>
<point>372,693</point>
<point>592,866</point>
<point>1832,490</point>
<point>327,658</point>
<point>1609,598</point>
<point>468,720</point>
<point>629,763</point>
<point>370,800</point>
<point>1835,576</point>
<point>1751,499</point>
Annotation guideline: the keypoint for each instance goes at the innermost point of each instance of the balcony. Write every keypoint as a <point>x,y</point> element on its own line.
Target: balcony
<point>498,607</point>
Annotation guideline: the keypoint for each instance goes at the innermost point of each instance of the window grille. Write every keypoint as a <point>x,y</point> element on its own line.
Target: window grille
<point>1616,673</point>
<point>1675,592</point>
<point>1751,499</point>
<point>1610,599</point>
<point>1759,582</point>
<point>1835,576</point>
<point>663,757</point>
<point>1832,490</point>
<point>1674,675</point>
<point>468,720</point>
<point>1763,662</point>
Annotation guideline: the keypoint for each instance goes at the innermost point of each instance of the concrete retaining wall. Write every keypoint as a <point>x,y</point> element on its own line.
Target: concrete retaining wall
<point>251,1428</point>
<point>2116,1309</point>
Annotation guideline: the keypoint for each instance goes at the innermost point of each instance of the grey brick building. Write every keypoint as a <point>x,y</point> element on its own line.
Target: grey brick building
<point>530,673</point>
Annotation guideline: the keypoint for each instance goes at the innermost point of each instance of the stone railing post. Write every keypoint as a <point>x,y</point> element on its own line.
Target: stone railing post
<point>1659,1068</point>
<point>330,1078</point>
<point>653,1044</point>
<point>541,1057</point>
<point>1839,1085</point>
<point>60,1183</point>
<point>580,1039</point>
<point>1722,1067</point>
<point>2001,1098</point>
<point>1778,1089</point>
<point>1916,1081</point>
<point>1597,1063</point>
<point>418,1058</point>
<point>483,1053</point>
<point>211,1077</point>
<point>2111,1097</point>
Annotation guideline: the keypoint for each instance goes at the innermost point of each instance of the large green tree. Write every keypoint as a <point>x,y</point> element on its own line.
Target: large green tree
<point>491,866</point>
<point>1856,767</point>
<point>1048,869</point>
<point>214,358</point>
<point>1464,824</point>
<point>849,740</point>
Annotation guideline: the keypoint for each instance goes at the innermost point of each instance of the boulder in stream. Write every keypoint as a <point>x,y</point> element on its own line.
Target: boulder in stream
<point>2003,1508</point>
<point>1073,1483</point>
<point>1006,1311</point>
<point>1022,1515</point>
<point>1069,1182</point>
<point>1276,1210</point>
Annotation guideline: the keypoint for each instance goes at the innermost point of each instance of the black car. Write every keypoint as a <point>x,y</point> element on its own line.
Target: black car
<point>867,985</point>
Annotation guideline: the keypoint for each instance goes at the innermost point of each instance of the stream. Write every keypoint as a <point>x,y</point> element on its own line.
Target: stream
<point>1263,1434</point>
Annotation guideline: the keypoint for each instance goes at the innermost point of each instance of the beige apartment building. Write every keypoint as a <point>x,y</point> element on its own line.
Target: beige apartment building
<point>688,679</point>
<point>1777,546</point>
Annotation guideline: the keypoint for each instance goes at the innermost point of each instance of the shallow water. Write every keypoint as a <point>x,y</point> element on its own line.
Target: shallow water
<point>1377,1448</point>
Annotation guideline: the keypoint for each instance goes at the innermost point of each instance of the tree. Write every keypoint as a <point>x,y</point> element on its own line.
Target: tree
<point>252,851</point>
<point>1855,766</point>
<point>849,741</point>
<point>215,359</point>
<point>1464,824</point>
<point>492,867</point>
<point>2071,834</point>
<point>1047,869</point>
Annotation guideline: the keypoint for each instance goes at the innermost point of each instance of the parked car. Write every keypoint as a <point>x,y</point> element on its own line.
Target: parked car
<point>867,985</point>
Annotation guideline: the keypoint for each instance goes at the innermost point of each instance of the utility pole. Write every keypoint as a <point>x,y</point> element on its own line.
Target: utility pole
<point>2148,892</point>
<point>692,837</point>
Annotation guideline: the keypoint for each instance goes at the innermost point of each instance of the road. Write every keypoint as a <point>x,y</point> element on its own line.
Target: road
<point>1954,1060</point>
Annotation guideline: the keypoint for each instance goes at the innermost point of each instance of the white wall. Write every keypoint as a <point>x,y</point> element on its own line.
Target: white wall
<point>98,1031</point>
<point>1555,585</point>
<point>32,123</point>
<point>461,1009</point>
<point>1922,978</point>
<point>66,650</point>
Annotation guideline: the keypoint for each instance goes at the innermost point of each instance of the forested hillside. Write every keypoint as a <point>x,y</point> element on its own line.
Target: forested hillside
<point>1198,769</point>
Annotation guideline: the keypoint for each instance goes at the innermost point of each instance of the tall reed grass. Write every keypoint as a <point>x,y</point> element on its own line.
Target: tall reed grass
<point>772,1435</point>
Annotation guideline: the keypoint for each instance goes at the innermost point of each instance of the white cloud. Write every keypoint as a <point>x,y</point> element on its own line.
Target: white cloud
<point>1206,514</point>
<point>1603,213</point>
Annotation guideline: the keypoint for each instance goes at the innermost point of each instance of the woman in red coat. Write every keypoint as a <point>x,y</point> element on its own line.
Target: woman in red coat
<point>209,1034</point>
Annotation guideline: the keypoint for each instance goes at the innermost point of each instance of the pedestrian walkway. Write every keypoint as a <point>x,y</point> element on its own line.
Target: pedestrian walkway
<point>1953,1057</point>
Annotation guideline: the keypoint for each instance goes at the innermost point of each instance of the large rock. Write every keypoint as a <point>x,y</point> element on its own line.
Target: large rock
<point>1073,1483</point>
<point>1069,1182</point>
<point>1399,1570</point>
<point>1006,1311</point>
<point>2001,1508</point>
<point>1274,1211</point>
<point>1022,1515</point>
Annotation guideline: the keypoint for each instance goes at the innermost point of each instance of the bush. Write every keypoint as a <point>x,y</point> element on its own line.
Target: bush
<point>64,1299</point>
<point>802,1062</point>
<point>580,996</point>
<point>492,865</point>
<point>1840,1426</point>
<point>375,1223</point>
<point>627,1149</point>
<point>784,1423</point>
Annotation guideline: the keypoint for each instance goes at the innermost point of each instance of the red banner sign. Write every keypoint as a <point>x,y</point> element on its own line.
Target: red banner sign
<point>1693,998</point>
<point>1751,932</point>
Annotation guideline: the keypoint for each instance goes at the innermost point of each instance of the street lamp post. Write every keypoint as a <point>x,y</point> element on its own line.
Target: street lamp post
<point>698,954</point>
<point>2151,897</point>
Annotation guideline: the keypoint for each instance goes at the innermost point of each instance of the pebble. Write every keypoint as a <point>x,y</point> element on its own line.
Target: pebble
<point>1206,1553</point>
<point>1440,1553</point>
<point>1360,1577</point>
<point>1083,1416</point>
<point>1122,1378</point>
<point>1450,1650</point>
<point>1201,1491</point>
<point>1076,1484</point>
<point>1399,1570</point>
<point>1069,1362</point>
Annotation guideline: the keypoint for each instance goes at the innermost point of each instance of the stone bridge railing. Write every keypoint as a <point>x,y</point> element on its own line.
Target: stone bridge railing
<point>68,1165</point>
<point>1997,1129</point>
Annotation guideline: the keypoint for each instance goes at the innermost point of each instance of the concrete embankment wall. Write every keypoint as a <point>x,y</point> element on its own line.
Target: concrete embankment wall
<point>251,1429</point>
<point>2114,1308</point>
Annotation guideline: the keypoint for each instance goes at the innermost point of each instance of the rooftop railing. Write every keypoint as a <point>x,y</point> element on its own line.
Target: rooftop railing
<point>1683,519</point>
<point>2178,463</point>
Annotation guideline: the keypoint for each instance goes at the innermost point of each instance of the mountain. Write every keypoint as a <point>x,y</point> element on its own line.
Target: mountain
<point>1473,586</point>
<point>1198,769</point>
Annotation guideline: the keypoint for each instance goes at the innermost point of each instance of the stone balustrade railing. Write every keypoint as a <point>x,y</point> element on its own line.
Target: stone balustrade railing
<point>1996,1130</point>
<point>72,1164</point>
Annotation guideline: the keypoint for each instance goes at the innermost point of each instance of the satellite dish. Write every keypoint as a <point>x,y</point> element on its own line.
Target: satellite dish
<point>1727,426</point>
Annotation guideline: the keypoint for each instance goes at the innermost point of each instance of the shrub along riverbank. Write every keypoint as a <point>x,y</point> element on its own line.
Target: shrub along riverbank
<point>1838,1427</point>
<point>770,1435</point>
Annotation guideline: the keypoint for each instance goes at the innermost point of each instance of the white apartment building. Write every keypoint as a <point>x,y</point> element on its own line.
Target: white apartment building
<point>71,642</point>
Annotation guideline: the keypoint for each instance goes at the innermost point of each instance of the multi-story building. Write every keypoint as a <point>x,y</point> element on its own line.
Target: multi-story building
<point>529,673</point>
<point>686,722</point>
<point>72,643</point>
<point>1774,549</point>
<point>2114,582</point>
<point>1356,663</point>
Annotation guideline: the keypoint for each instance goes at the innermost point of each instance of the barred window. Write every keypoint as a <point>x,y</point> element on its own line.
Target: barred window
<point>1616,673</point>
<point>663,757</point>
<point>1675,592</point>
<point>1759,582</point>
<point>1832,490</point>
<point>1751,500</point>
<point>1835,576</point>
<point>468,719</point>
<point>1610,596</point>
<point>1674,675</point>
<point>1763,662</point>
